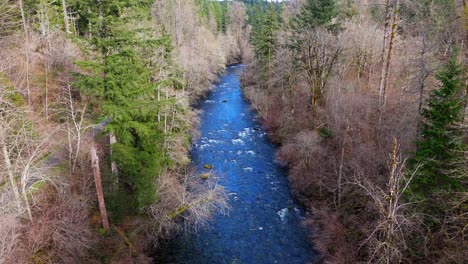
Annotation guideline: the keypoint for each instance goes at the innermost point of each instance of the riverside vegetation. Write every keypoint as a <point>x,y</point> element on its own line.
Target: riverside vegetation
<point>368,101</point>
<point>133,68</point>
<point>366,98</point>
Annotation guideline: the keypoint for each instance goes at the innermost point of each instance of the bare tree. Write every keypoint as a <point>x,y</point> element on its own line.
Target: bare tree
<point>387,241</point>
<point>21,151</point>
<point>317,56</point>
<point>237,19</point>
<point>75,126</point>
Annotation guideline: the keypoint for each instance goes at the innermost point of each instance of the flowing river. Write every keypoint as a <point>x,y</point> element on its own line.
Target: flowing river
<point>263,225</point>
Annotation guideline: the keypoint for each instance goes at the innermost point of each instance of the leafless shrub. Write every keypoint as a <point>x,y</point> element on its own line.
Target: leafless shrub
<point>329,235</point>
<point>452,232</point>
<point>185,204</point>
<point>301,154</point>
<point>22,147</point>
<point>61,232</point>
<point>10,224</point>
<point>62,52</point>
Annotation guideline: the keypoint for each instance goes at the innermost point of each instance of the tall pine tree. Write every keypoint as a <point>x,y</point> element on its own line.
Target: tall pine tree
<point>440,143</point>
<point>122,78</point>
<point>264,36</point>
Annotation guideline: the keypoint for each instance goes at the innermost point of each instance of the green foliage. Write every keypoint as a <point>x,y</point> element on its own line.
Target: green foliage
<point>219,11</point>
<point>315,13</point>
<point>13,97</point>
<point>123,80</point>
<point>441,137</point>
<point>325,132</point>
<point>348,9</point>
<point>44,13</point>
<point>264,33</point>
<point>119,203</point>
<point>101,231</point>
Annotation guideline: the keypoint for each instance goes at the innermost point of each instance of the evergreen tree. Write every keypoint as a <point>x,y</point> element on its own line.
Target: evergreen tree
<point>315,13</point>
<point>440,141</point>
<point>122,78</point>
<point>264,35</point>
<point>217,10</point>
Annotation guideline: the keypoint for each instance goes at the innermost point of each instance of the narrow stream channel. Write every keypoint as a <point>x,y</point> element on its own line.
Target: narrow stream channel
<point>263,225</point>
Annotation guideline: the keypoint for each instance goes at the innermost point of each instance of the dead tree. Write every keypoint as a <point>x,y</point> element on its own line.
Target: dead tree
<point>75,127</point>
<point>97,181</point>
<point>391,23</point>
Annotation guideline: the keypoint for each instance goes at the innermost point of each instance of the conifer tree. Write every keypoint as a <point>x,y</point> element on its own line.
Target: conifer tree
<point>264,36</point>
<point>122,79</point>
<point>440,141</point>
<point>316,13</point>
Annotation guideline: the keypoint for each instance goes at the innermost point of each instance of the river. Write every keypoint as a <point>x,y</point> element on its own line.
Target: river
<point>264,222</point>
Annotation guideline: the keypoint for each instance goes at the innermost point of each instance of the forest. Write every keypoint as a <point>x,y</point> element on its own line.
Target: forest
<point>366,101</point>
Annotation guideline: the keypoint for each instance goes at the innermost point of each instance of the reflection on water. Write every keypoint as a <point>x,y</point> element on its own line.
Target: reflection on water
<point>263,225</point>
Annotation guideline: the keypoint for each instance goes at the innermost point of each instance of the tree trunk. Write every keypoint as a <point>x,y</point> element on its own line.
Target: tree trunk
<point>387,52</point>
<point>387,57</point>
<point>340,175</point>
<point>65,17</point>
<point>114,168</point>
<point>384,51</point>
<point>424,73</point>
<point>26,40</point>
<point>100,194</point>
<point>465,58</point>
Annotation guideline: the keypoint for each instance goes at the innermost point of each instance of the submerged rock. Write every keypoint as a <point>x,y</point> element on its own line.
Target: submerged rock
<point>205,176</point>
<point>208,166</point>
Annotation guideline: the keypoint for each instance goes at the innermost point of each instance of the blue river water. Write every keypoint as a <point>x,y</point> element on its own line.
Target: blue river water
<point>264,223</point>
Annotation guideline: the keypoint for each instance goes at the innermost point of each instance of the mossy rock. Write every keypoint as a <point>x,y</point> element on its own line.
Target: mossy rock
<point>208,166</point>
<point>205,176</point>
